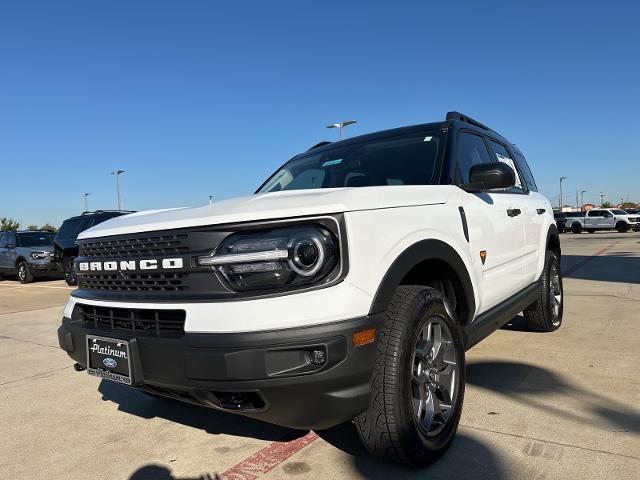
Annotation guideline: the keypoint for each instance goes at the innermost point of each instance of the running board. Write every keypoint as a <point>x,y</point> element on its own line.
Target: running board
<point>488,322</point>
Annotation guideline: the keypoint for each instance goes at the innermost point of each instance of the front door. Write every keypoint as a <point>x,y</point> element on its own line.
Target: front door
<point>498,220</point>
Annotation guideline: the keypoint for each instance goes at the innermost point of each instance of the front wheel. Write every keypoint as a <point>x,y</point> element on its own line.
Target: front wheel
<point>24,275</point>
<point>545,314</point>
<point>622,227</point>
<point>418,381</point>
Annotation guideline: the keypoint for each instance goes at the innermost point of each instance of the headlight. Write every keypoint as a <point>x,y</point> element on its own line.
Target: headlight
<point>39,255</point>
<point>280,258</point>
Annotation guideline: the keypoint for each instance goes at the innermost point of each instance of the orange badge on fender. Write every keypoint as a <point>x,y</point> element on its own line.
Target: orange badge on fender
<point>483,256</point>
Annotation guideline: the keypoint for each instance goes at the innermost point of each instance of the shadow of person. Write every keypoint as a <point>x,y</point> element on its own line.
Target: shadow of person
<point>527,382</point>
<point>466,458</point>
<point>134,402</point>
<point>158,472</point>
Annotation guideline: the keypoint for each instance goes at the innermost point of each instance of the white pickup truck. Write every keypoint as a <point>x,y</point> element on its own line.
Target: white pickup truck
<point>605,219</point>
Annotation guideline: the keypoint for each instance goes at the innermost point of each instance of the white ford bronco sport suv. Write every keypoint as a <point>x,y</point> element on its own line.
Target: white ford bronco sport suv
<point>348,287</point>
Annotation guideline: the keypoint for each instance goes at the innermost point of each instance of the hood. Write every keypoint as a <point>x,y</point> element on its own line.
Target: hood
<point>43,248</point>
<point>276,205</point>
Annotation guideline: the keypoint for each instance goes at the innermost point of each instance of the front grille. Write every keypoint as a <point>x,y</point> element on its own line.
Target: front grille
<point>135,282</point>
<point>154,245</point>
<point>142,321</point>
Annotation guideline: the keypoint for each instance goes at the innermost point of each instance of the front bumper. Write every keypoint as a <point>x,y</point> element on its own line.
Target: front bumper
<point>265,375</point>
<point>46,267</point>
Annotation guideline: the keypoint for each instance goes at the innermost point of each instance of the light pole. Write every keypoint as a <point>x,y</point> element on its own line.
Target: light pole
<point>210,199</point>
<point>582,199</point>
<point>117,174</point>
<point>341,125</point>
<point>86,202</point>
<point>601,199</point>
<point>561,179</point>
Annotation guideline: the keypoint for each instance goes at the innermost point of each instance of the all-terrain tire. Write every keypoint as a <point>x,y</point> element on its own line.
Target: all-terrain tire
<point>543,315</point>
<point>622,227</point>
<point>24,275</point>
<point>389,428</point>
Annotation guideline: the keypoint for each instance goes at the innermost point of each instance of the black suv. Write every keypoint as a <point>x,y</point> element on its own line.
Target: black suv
<point>65,246</point>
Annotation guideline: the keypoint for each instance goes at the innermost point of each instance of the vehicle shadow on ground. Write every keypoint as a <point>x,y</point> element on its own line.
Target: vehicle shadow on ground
<point>528,383</point>
<point>467,458</point>
<point>605,268</point>
<point>134,402</point>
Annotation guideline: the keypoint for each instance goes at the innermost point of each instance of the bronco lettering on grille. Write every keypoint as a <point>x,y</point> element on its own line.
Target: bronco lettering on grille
<point>147,264</point>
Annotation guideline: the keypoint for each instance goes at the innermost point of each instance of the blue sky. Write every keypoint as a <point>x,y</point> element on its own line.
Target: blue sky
<point>199,97</point>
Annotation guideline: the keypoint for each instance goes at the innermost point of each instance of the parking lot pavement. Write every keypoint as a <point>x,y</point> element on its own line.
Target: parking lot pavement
<point>563,405</point>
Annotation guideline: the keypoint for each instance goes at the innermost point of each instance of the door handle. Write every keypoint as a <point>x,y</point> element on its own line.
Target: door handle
<point>540,211</point>
<point>513,212</point>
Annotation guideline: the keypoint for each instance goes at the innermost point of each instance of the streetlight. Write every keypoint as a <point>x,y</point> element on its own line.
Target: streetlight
<point>341,125</point>
<point>561,179</point>
<point>601,199</point>
<point>210,199</point>
<point>117,174</point>
<point>86,202</point>
<point>582,200</point>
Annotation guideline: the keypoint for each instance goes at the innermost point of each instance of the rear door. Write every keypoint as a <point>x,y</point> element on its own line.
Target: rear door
<point>593,219</point>
<point>496,227</point>
<point>3,251</point>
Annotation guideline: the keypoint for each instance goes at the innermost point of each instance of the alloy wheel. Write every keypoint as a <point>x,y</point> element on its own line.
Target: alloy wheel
<point>555,293</point>
<point>435,376</point>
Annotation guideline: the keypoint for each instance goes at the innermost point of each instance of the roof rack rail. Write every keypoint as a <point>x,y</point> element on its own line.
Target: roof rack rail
<point>318,145</point>
<point>107,211</point>
<point>466,119</point>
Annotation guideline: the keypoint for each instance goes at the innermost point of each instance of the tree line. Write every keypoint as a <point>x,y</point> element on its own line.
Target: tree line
<point>11,224</point>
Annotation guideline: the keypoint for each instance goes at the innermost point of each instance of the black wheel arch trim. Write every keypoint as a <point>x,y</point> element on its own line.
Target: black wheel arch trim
<point>553,233</point>
<point>421,251</point>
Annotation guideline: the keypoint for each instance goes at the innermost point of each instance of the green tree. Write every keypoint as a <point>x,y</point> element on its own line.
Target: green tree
<point>48,228</point>
<point>626,205</point>
<point>606,205</point>
<point>9,224</point>
<point>32,228</point>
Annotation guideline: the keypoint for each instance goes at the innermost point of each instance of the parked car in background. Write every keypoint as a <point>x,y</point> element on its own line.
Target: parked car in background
<point>563,220</point>
<point>65,246</point>
<point>605,219</point>
<point>27,254</point>
<point>632,211</point>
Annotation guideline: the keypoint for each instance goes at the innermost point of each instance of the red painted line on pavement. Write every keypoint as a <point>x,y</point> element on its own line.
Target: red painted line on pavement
<point>267,459</point>
<point>582,263</point>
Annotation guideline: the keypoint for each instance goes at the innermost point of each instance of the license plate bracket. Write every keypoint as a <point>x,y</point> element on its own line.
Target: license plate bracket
<point>109,358</point>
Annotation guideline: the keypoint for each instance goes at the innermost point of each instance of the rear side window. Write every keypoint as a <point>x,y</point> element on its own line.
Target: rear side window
<point>503,155</point>
<point>471,151</point>
<point>71,228</point>
<point>3,241</point>
<point>526,172</point>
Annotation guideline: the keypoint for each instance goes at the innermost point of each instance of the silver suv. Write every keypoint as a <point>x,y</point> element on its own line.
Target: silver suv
<point>27,254</point>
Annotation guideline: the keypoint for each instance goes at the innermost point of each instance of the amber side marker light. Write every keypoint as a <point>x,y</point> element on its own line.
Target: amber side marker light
<point>363,337</point>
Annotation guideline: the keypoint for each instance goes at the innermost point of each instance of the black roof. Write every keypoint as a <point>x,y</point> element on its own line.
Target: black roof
<point>100,212</point>
<point>452,118</point>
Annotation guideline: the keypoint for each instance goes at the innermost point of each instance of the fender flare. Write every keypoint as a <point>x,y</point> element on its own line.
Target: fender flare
<point>421,251</point>
<point>553,232</point>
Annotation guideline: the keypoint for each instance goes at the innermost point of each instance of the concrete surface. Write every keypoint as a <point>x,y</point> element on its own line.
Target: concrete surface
<point>538,406</point>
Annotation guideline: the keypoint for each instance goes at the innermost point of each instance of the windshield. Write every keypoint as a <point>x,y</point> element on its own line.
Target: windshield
<point>617,211</point>
<point>35,239</point>
<point>403,160</point>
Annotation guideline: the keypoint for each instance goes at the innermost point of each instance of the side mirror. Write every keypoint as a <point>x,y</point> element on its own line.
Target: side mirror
<point>490,176</point>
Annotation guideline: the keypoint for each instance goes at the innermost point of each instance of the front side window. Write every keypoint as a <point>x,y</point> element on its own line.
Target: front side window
<point>403,160</point>
<point>617,211</point>
<point>3,241</point>
<point>526,172</point>
<point>35,239</point>
<point>503,155</point>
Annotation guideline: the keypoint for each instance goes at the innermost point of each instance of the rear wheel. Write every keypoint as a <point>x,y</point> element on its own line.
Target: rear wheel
<point>545,314</point>
<point>24,275</point>
<point>576,228</point>
<point>69,273</point>
<point>418,381</point>
<point>622,227</point>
